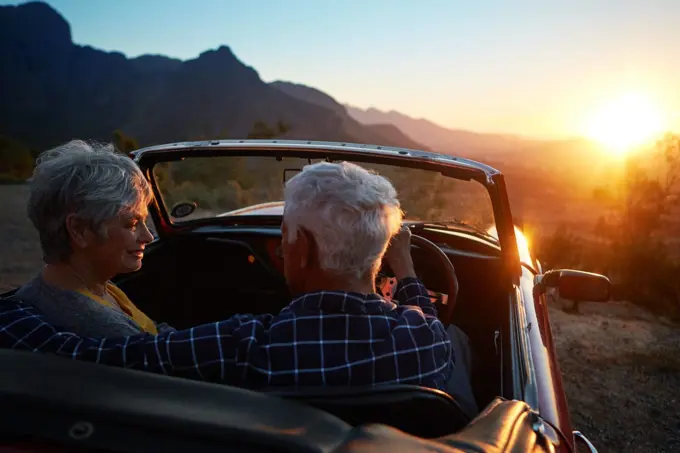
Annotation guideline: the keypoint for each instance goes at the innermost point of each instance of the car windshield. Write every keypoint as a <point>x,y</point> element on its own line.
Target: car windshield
<point>225,185</point>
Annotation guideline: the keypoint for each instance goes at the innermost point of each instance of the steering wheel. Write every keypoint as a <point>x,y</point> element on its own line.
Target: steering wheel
<point>446,308</point>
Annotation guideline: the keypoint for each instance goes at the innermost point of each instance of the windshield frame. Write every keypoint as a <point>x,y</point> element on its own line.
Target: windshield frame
<point>450,166</point>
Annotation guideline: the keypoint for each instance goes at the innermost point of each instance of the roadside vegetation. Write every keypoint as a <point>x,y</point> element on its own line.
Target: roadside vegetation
<point>634,238</point>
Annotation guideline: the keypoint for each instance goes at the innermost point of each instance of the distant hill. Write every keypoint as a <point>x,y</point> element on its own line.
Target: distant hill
<point>502,150</point>
<point>366,133</point>
<point>544,177</point>
<point>439,138</point>
<point>52,90</point>
<point>309,94</point>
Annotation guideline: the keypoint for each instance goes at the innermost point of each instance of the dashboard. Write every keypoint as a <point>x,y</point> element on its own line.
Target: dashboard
<point>261,250</point>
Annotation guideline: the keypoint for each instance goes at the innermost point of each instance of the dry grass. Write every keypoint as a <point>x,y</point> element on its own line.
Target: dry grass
<point>622,377</point>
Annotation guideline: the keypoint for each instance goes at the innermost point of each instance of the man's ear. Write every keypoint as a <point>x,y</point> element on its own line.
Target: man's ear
<point>308,249</point>
<point>78,231</point>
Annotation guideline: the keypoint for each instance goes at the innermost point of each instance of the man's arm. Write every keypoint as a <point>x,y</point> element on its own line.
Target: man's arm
<point>217,352</point>
<point>411,291</point>
<point>164,327</point>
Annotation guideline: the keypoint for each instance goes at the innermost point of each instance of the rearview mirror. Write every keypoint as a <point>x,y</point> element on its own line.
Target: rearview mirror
<point>577,285</point>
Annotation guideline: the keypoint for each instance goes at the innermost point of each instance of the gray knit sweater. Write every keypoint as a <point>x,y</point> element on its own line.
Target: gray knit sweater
<point>78,313</point>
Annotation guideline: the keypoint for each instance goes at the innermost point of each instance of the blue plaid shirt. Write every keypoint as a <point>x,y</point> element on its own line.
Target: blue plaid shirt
<point>321,338</point>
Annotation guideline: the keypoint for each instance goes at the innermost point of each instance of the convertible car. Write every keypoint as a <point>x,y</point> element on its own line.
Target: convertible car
<point>216,219</point>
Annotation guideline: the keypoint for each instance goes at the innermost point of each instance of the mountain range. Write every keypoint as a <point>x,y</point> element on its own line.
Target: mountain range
<point>439,137</point>
<point>384,132</point>
<point>53,90</point>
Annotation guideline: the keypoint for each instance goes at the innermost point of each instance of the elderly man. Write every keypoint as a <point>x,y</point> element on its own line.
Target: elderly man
<point>337,224</point>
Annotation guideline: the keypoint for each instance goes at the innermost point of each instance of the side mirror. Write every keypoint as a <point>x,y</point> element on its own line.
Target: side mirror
<point>577,285</point>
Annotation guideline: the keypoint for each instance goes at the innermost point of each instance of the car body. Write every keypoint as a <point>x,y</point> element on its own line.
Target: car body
<point>512,334</point>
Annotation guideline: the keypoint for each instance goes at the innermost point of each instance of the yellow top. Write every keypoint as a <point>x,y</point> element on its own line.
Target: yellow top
<point>142,320</point>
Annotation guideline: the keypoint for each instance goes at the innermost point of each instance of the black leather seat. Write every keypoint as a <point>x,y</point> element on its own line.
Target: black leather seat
<point>87,407</point>
<point>419,411</point>
<point>79,404</point>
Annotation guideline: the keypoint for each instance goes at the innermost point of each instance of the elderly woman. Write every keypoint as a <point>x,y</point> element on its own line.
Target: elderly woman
<point>89,205</point>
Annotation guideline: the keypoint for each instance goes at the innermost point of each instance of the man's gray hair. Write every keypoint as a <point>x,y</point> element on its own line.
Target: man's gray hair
<point>352,214</point>
<point>90,180</point>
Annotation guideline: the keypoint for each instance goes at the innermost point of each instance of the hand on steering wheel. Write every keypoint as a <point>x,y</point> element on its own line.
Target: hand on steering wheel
<point>398,254</point>
<point>398,259</point>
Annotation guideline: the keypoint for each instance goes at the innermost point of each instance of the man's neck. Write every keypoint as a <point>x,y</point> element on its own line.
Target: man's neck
<point>348,285</point>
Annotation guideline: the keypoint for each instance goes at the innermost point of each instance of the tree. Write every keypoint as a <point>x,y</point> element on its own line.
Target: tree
<point>635,238</point>
<point>16,160</point>
<point>646,252</point>
<point>261,130</point>
<point>561,250</point>
<point>123,143</point>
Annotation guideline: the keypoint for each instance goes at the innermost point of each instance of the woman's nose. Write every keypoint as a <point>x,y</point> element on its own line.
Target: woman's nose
<point>145,235</point>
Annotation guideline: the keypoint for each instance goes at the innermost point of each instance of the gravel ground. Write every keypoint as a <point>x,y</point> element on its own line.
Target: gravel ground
<point>622,378</point>
<point>20,256</point>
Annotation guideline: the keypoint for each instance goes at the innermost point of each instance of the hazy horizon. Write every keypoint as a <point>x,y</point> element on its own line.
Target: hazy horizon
<point>524,70</point>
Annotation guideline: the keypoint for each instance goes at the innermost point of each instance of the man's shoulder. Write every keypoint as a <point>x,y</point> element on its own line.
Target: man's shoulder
<point>414,316</point>
<point>12,302</point>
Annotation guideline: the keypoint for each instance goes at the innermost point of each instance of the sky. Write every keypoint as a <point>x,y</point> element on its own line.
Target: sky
<point>530,67</point>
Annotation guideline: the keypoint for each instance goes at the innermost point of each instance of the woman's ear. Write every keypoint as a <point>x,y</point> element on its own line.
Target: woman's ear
<point>78,231</point>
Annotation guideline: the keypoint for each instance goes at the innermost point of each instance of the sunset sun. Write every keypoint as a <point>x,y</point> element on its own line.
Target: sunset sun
<point>625,123</point>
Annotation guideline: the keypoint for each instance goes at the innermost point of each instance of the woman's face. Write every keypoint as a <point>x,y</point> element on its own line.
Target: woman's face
<point>122,248</point>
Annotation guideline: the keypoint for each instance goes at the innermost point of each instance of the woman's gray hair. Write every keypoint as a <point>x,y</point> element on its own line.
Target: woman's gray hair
<point>90,180</point>
<point>351,212</point>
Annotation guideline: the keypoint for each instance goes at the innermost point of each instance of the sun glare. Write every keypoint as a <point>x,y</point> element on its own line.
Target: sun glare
<point>626,123</point>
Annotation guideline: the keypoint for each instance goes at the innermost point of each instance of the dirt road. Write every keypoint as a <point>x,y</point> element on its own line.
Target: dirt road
<point>20,256</point>
<point>622,379</point>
